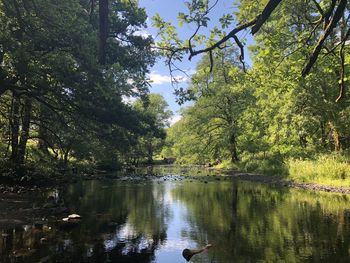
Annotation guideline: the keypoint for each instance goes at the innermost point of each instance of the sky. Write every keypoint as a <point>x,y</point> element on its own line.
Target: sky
<point>160,75</point>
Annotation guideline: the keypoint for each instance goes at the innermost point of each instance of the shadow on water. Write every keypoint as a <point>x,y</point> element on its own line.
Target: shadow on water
<point>120,222</point>
<point>153,221</point>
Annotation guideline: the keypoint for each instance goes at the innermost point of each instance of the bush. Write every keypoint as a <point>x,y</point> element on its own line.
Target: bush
<point>264,163</point>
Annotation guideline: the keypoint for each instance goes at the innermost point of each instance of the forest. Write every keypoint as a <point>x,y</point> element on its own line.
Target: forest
<point>93,167</point>
<point>285,114</point>
<point>74,93</point>
<point>74,88</point>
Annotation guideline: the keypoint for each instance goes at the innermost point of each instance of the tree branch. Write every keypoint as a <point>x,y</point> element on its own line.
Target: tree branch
<point>319,8</point>
<point>231,34</point>
<point>331,25</point>
<point>342,67</point>
<point>266,13</point>
<point>241,47</point>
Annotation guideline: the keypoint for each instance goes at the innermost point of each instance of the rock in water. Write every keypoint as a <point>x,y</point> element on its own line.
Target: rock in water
<point>23,252</point>
<point>70,221</point>
<point>74,216</point>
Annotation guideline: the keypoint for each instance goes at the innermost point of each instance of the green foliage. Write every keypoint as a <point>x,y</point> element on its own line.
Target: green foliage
<point>155,114</point>
<point>275,115</point>
<point>209,129</point>
<point>57,98</point>
<point>325,169</point>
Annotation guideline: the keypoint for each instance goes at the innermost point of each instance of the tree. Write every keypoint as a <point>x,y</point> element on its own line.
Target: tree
<point>322,20</point>
<point>296,114</point>
<point>52,77</point>
<point>275,113</point>
<point>156,117</point>
<point>210,129</point>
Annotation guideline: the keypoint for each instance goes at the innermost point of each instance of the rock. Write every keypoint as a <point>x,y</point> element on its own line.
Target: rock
<point>70,221</point>
<point>43,240</point>
<point>23,252</point>
<point>74,216</point>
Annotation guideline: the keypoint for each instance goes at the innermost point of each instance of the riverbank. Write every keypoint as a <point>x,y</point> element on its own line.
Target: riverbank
<point>283,182</point>
<point>21,205</point>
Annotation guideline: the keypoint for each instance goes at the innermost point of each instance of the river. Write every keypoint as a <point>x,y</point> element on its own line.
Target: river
<point>154,220</point>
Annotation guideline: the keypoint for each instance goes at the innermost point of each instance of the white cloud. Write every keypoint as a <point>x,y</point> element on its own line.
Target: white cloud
<point>191,71</point>
<point>158,79</point>
<point>174,119</point>
<point>128,100</point>
<point>142,33</point>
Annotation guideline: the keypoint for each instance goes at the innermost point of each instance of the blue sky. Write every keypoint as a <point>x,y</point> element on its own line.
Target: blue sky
<point>168,10</point>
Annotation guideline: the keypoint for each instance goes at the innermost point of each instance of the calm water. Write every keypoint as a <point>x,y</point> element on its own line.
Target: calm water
<point>153,221</point>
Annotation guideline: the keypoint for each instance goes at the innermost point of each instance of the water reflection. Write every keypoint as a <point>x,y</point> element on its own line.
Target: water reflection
<point>141,221</point>
<point>256,223</point>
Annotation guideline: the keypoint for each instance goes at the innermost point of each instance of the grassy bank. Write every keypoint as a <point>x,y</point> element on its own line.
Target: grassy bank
<point>331,170</point>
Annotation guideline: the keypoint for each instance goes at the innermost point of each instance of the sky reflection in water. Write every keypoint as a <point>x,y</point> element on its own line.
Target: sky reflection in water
<point>154,221</point>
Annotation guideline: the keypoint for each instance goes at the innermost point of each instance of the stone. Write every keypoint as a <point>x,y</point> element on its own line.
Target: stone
<point>43,240</point>
<point>74,216</point>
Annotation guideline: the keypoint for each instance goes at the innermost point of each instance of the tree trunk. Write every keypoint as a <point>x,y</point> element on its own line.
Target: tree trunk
<point>103,15</point>
<point>42,133</point>
<point>65,158</point>
<point>42,145</point>
<point>25,130</point>
<point>335,136</point>
<point>149,151</point>
<point>14,122</point>
<point>323,134</point>
<point>233,149</point>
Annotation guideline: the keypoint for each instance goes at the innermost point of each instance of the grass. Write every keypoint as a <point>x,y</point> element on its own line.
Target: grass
<point>332,170</point>
<point>327,169</point>
<point>259,164</point>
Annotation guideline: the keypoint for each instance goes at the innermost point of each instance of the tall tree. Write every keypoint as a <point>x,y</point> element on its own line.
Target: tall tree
<point>156,113</point>
<point>59,84</point>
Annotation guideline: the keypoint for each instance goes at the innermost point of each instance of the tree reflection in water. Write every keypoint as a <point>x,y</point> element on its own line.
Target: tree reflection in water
<point>121,223</point>
<point>249,222</point>
<point>154,221</point>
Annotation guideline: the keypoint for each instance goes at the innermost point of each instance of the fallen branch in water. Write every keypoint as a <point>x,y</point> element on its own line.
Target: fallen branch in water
<point>189,253</point>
